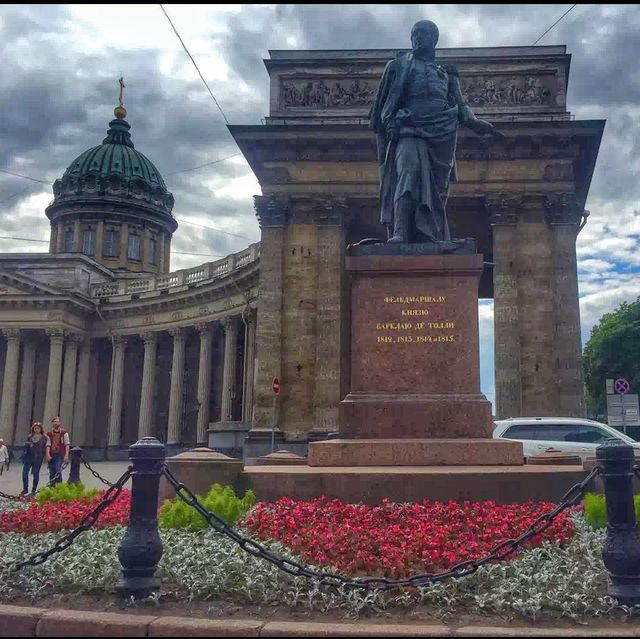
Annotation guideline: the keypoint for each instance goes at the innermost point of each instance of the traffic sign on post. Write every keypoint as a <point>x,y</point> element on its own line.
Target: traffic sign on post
<point>621,386</point>
<point>276,386</point>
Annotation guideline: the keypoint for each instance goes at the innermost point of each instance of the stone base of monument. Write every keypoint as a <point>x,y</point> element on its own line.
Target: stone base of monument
<point>415,425</point>
<point>372,484</point>
<point>416,452</point>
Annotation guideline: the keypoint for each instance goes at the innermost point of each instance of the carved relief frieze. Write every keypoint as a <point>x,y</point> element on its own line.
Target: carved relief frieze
<point>327,93</point>
<point>514,90</point>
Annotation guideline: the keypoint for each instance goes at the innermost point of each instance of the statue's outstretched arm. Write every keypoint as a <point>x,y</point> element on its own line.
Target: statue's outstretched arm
<point>466,115</point>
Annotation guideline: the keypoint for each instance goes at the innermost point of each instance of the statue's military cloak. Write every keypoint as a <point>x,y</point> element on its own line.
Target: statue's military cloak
<point>440,126</point>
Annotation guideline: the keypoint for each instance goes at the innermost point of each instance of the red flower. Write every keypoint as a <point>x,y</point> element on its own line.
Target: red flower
<point>398,539</point>
<point>52,517</point>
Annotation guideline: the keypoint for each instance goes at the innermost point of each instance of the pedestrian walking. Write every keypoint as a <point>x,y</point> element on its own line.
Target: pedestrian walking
<point>57,450</point>
<point>4,456</point>
<point>34,453</point>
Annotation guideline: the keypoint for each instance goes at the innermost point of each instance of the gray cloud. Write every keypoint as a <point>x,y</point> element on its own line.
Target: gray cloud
<point>57,100</point>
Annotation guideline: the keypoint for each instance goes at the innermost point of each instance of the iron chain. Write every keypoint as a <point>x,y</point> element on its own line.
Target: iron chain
<point>58,475</point>
<point>462,569</point>
<point>10,497</point>
<point>95,473</point>
<point>85,524</point>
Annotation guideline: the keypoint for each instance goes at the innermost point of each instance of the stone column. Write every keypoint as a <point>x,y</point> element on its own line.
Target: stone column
<point>80,430</point>
<point>77,237</point>
<point>60,240</point>
<point>536,312</point>
<point>117,380</point>
<point>564,216</point>
<point>53,239</point>
<point>52,397</point>
<point>229,369</point>
<point>328,333</point>
<point>249,366</point>
<point>67,396</point>
<point>145,422</point>
<point>10,385</point>
<point>504,217</point>
<point>204,382</point>
<point>174,434</point>
<point>124,245</point>
<point>99,240</point>
<point>27,383</point>
<point>272,212</point>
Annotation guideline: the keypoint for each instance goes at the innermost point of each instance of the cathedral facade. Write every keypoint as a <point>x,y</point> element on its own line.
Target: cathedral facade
<point>101,332</point>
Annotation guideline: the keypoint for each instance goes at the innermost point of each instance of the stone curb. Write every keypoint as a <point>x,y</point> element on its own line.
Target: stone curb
<point>23,621</point>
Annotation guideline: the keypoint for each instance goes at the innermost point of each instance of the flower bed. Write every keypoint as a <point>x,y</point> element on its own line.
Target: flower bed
<point>398,539</point>
<point>56,516</point>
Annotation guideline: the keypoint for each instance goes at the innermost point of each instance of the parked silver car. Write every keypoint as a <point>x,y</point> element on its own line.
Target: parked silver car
<point>569,435</point>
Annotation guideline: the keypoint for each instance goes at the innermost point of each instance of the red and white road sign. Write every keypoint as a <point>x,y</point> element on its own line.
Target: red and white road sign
<point>276,386</point>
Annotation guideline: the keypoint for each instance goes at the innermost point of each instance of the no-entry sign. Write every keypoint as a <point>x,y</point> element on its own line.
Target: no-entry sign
<point>276,386</point>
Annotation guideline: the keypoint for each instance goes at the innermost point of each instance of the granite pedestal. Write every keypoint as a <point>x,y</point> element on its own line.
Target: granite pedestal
<point>414,425</point>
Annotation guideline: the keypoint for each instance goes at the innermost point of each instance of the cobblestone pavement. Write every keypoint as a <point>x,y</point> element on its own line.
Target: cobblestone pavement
<point>11,480</point>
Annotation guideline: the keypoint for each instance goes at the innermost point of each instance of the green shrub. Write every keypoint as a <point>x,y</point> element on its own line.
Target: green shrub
<point>63,492</point>
<point>595,510</point>
<point>175,513</point>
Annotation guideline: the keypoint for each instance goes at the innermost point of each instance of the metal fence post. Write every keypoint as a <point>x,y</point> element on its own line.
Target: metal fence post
<point>74,473</point>
<point>621,551</point>
<point>141,549</point>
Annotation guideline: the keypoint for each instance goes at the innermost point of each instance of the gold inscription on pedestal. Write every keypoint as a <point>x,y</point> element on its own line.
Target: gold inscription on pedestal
<point>416,332</point>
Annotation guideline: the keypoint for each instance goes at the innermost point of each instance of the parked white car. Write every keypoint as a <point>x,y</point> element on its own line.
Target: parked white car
<point>569,435</point>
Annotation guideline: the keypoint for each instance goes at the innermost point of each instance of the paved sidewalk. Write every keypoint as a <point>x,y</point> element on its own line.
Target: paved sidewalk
<point>29,622</point>
<point>11,480</point>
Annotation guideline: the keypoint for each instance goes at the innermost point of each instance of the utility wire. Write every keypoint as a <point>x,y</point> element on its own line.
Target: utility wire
<point>184,46</point>
<point>33,239</point>
<point>200,166</point>
<point>554,24</point>
<point>24,177</point>
<point>213,228</point>
<point>14,195</point>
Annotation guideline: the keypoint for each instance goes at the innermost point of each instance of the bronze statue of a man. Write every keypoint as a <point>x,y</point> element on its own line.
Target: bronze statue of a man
<point>415,114</point>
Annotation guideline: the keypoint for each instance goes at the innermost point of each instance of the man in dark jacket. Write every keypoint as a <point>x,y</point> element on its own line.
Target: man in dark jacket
<point>415,114</point>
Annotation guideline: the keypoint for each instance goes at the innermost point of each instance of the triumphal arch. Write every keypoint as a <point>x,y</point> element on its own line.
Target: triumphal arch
<point>521,197</point>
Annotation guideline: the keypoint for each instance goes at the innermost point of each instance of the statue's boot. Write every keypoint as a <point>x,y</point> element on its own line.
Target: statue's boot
<point>400,226</point>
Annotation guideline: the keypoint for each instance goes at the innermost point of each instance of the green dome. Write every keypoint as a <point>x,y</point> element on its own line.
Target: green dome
<point>114,169</point>
<point>116,156</point>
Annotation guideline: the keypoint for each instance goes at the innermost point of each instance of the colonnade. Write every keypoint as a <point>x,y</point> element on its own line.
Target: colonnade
<point>70,382</point>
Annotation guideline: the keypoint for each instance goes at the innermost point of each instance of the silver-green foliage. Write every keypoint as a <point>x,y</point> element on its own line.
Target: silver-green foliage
<point>568,582</point>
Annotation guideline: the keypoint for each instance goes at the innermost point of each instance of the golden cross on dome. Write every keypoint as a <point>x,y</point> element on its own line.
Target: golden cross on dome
<point>121,82</point>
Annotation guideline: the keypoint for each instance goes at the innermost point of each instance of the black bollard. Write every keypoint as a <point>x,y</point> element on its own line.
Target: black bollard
<point>621,551</point>
<point>141,549</point>
<point>74,472</point>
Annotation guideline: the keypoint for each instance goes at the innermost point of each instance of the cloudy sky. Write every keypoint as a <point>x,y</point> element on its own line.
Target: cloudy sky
<point>59,86</point>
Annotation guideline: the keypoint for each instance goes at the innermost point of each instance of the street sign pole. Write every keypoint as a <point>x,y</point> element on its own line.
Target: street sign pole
<point>275,387</point>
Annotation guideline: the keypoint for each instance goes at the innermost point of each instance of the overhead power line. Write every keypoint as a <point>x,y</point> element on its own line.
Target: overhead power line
<point>24,177</point>
<point>184,46</point>
<point>200,166</point>
<point>213,228</point>
<point>33,239</point>
<point>554,24</point>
